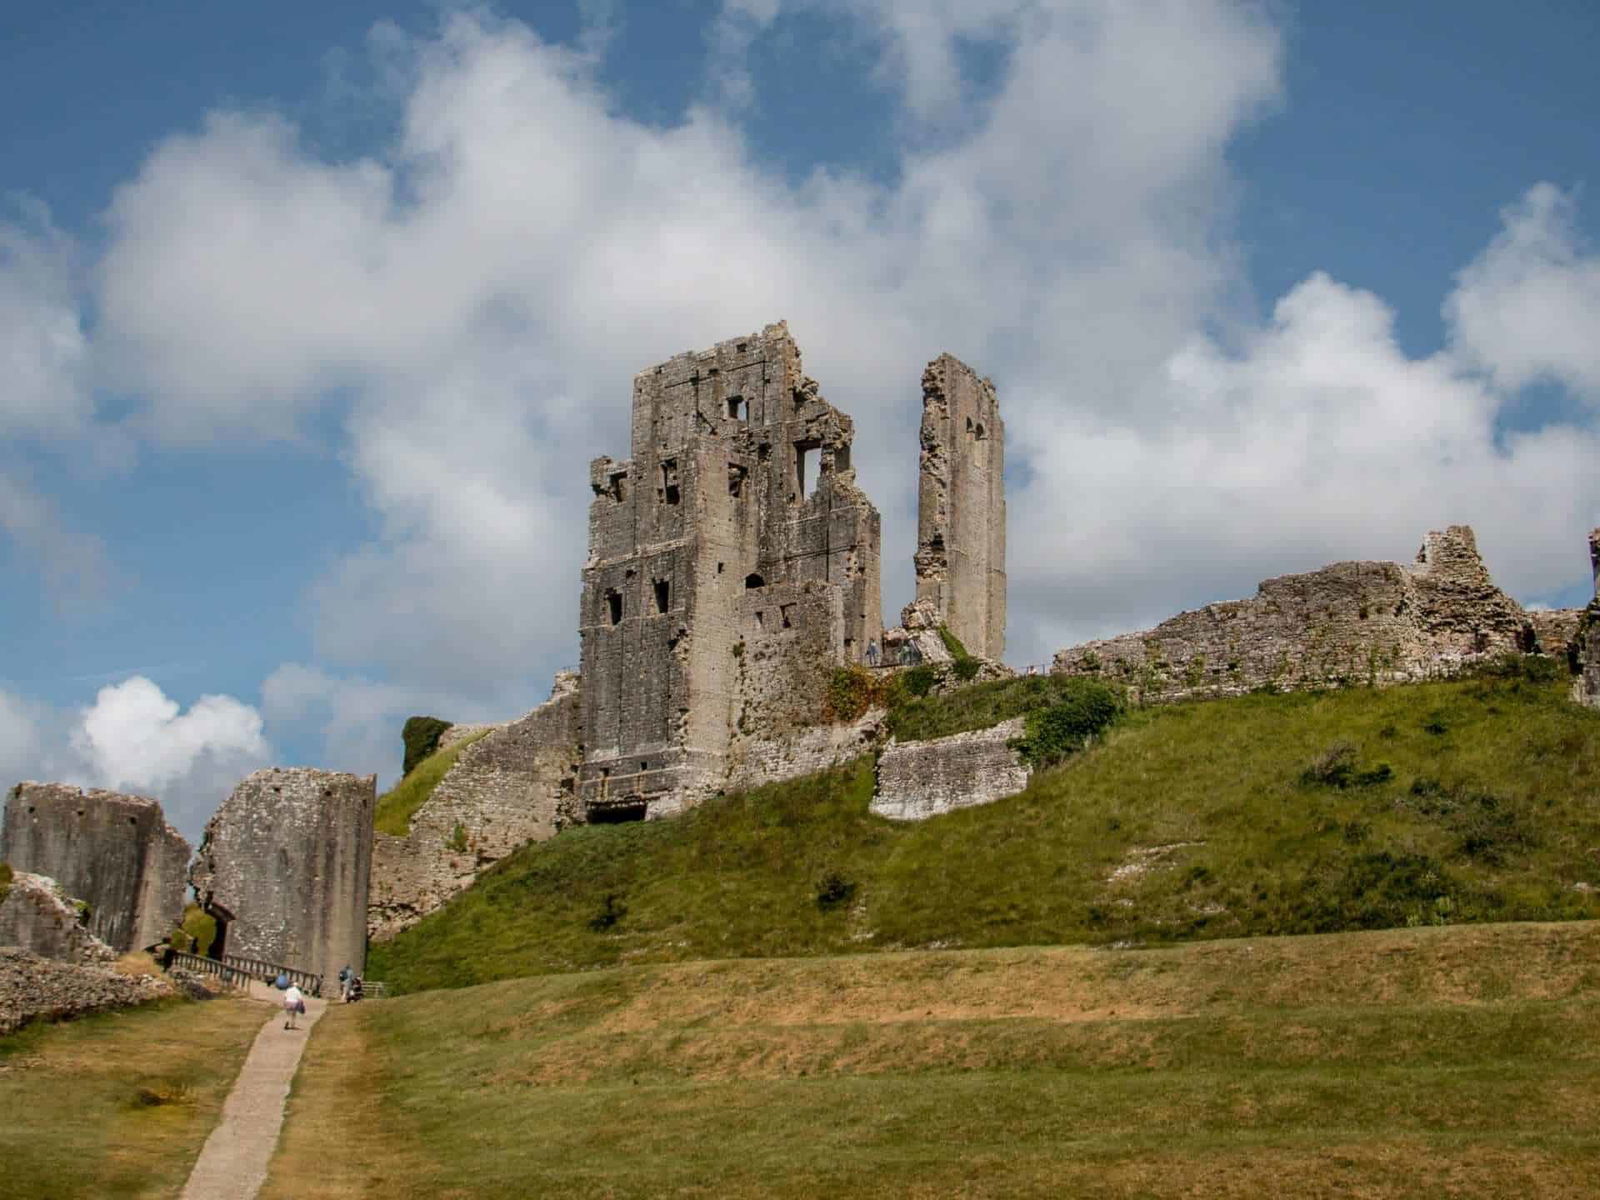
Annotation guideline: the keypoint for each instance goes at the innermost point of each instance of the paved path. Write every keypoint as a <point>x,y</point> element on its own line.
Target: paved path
<point>233,1164</point>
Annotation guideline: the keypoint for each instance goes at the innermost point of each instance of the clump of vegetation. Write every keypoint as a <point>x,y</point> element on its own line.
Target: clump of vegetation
<point>1336,767</point>
<point>1087,709</point>
<point>981,705</point>
<point>5,880</point>
<point>919,680</point>
<point>834,890</point>
<point>196,933</point>
<point>612,910</point>
<point>396,806</point>
<point>1487,827</point>
<point>421,736</point>
<point>852,690</point>
<point>964,667</point>
<point>457,841</point>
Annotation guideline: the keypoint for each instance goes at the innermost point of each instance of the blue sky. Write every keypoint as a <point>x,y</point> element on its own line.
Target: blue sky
<point>314,315</point>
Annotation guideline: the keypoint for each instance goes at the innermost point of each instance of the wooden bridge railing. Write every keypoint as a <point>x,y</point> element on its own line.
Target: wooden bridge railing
<point>238,971</point>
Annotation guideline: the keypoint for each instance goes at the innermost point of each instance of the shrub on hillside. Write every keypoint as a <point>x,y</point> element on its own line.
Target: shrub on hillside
<point>1053,733</point>
<point>834,890</point>
<point>1336,767</point>
<point>851,691</point>
<point>421,736</point>
<point>5,881</point>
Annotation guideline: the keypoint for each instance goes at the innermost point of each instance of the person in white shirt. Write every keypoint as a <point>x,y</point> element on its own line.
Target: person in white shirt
<point>294,1003</point>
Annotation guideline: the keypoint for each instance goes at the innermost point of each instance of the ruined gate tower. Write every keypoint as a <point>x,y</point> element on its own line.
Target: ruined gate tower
<point>737,517</point>
<point>961,506</point>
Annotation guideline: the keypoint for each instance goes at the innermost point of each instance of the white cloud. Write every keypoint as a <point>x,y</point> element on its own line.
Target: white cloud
<point>134,738</point>
<point>43,349</point>
<point>1528,308</point>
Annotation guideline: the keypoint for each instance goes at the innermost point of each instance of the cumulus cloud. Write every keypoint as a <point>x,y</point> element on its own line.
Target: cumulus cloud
<point>135,738</point>
<point>1527,309</point>
<point>43,349</point>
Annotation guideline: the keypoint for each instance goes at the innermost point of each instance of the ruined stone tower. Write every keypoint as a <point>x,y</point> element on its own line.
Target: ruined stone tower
<point>116,853</point>
<point>736,521</point>
<point>284,868</point>
<point>961,506</point>
<point>1586,642</point>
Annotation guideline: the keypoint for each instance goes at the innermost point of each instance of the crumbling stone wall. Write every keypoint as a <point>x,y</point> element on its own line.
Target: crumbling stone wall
<point>514,785</point>
<point>760,760</point>
<point>739,499</point>
<point>1585,647</point>
<point>114,852</point>
<point>36,917</point>
<point>35,988</point>
<point>1351,622</point>
<point>284,867</point>
<point>917,780</point>
<point>961,507</point>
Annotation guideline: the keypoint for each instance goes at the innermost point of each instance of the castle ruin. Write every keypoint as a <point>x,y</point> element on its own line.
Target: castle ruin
<point>961,508</point>
<point>1585,648</point>
<point>1349,622</point>
<point>284,869</point>
<point>115,853</point>
<point>735,530</point>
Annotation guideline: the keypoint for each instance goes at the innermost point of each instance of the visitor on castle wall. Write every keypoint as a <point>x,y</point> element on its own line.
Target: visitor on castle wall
<point>872,653</point>
<point>345,975</point>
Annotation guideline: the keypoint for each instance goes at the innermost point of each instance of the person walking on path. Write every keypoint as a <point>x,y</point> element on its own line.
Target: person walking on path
<point>294,1003</point>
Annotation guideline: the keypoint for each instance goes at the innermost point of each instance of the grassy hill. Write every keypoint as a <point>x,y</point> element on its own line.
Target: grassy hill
<point>1455,1061</point>
<point>1467,801</point>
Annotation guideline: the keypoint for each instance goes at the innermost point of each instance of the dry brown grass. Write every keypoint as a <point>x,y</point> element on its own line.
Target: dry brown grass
<point>117,1104</point>
<point>1408,1063</point>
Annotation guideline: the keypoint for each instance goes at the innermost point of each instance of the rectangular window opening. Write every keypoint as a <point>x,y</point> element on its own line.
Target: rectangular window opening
<point>616,814</point>
<point>738,409</point>
<point>614,606</point>
<point>663,589</point>
<point>669,481</point>
<point>804,467</point>
<point>786,612</point>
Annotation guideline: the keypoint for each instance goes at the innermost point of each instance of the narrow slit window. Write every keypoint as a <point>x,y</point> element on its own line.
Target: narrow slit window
<point>614,606</point>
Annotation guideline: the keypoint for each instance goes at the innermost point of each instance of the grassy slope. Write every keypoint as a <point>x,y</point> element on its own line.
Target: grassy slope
<point>395,807</point>
<point>1260,852</point>
<point>75,1124</point>
<point>1440,1061</point>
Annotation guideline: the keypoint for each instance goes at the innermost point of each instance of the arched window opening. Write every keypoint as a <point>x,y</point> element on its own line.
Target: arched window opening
<point>753,580</point>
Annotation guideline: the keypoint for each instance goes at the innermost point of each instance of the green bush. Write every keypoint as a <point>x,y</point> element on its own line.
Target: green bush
<point>198,931</point>
<point>920,680</point>
<point>421,736</point>
<point>1336,767</point>
<point>5,881</point>
<point>834,890</point>
<point>1066,726</point>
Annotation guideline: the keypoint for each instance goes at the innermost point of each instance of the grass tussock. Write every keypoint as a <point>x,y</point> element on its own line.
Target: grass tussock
<point>120,1103</point>
<point>1402,1063</point>
<point>1229,818</point>
<point>396,806</point>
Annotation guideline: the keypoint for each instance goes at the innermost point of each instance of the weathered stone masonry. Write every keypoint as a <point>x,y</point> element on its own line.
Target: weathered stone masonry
<point>116,853</point>
<point>961,507</point>
<point>515,784</point>
<point>1351,622</point>
<point>1586,641</point>
<point>736,525</point>
<point>284,867</point>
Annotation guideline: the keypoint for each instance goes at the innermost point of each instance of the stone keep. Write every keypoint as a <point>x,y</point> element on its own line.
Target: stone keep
<point>284,868</point>
<point>1585,647</point>
<point>116,853</point>
<point>736,524</point>
<point>961,507</point>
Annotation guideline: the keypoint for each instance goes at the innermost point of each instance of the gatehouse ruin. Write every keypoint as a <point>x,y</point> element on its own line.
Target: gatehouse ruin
<point>114,853</point>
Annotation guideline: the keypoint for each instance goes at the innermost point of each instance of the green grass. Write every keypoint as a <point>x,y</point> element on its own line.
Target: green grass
<point>117,1104</point>
<point>1405,1063</point>
<point>981,705</point>
<point>396,806</point>
<point>1189,821</point>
